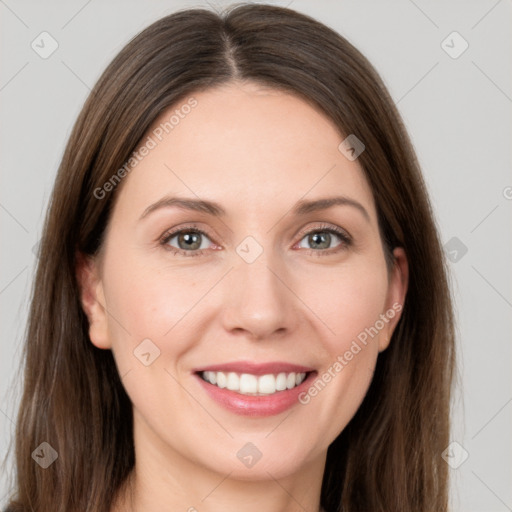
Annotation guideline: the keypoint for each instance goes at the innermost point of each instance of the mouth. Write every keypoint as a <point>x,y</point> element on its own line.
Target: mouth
<point>252,389</point>
<point>254,385</point>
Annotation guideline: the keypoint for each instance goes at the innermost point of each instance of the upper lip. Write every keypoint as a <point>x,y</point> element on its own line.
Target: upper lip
<point>255,368</point>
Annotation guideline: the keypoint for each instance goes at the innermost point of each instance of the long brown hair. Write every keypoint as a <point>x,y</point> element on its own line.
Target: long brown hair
<point>388,458</point>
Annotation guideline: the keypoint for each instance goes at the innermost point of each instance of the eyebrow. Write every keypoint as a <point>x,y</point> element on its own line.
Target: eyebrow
<point>302,207</point>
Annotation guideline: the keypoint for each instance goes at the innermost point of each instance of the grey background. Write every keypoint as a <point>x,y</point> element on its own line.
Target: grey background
<point>456,110</point>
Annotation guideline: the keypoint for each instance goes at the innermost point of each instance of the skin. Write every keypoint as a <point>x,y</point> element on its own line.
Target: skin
<point>256,152</point>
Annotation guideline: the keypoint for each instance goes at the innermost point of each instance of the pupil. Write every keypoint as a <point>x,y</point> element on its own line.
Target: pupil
<point>191,240</point>
<point>319,239</point>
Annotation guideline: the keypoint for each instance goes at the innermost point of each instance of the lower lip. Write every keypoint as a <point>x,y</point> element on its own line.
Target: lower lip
<point>250,405</point>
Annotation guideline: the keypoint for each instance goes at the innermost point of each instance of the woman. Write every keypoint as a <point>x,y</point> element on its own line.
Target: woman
<point>303,358</point>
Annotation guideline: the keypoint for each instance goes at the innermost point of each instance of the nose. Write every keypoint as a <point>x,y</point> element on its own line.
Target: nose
<point>258,300</point>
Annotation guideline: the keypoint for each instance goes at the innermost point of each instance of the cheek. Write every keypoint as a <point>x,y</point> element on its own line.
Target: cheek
<point>159,304</point>
<point>348,300</point>
<point>351,307</point>
<point>153,323</point>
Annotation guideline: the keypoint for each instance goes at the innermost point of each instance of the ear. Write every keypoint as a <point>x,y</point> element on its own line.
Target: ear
<point>93,300</point>
<point>397,290</point>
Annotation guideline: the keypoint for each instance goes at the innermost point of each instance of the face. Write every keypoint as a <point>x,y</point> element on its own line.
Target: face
<point>221,264</point>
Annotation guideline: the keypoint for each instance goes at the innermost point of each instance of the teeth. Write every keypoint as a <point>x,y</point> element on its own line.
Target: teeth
<point>233,382</point>
<point>281,382</point>
<point>248,384</point>
<point>267,384</point>
<point>220,377</point>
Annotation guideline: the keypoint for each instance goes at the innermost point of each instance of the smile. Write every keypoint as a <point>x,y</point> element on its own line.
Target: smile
<point>255,389</point>
<point>254,385</point>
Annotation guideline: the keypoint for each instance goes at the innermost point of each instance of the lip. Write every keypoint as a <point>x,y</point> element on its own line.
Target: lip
<point>256,406</point>
<point>255,368</point>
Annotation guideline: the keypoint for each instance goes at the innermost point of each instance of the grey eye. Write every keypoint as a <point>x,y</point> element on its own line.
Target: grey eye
<point>189,240</point>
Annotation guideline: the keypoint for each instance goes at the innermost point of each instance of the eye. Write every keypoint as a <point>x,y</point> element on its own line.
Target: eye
<point>322,238</point>
<point>187,241</point>
<point>193,241</point>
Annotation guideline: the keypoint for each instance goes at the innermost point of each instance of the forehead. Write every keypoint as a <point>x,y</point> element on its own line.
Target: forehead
<point>248,147</point>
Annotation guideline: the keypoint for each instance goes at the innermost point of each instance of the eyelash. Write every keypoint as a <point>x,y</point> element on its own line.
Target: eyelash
<point>346,240</point>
